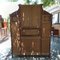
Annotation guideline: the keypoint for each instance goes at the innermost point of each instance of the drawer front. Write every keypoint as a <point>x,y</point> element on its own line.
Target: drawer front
<point>30,32</point>
<point>46,19</point>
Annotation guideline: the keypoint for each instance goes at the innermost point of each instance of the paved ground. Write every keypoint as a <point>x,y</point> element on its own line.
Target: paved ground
<point>5,46</point>
<point>5,50</point>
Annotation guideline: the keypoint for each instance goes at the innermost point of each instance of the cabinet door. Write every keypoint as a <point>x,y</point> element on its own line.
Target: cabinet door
<point>45,39</point>
<point>36,16</point>
<point>26,47</point>
<point>25,14</point>
<point>46,29</point>
<point>36,46</point>
<point>46,46</point>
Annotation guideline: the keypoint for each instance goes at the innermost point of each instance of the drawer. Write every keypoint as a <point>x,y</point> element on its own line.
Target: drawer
<point>46,19</point>
<point>30,32</point>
